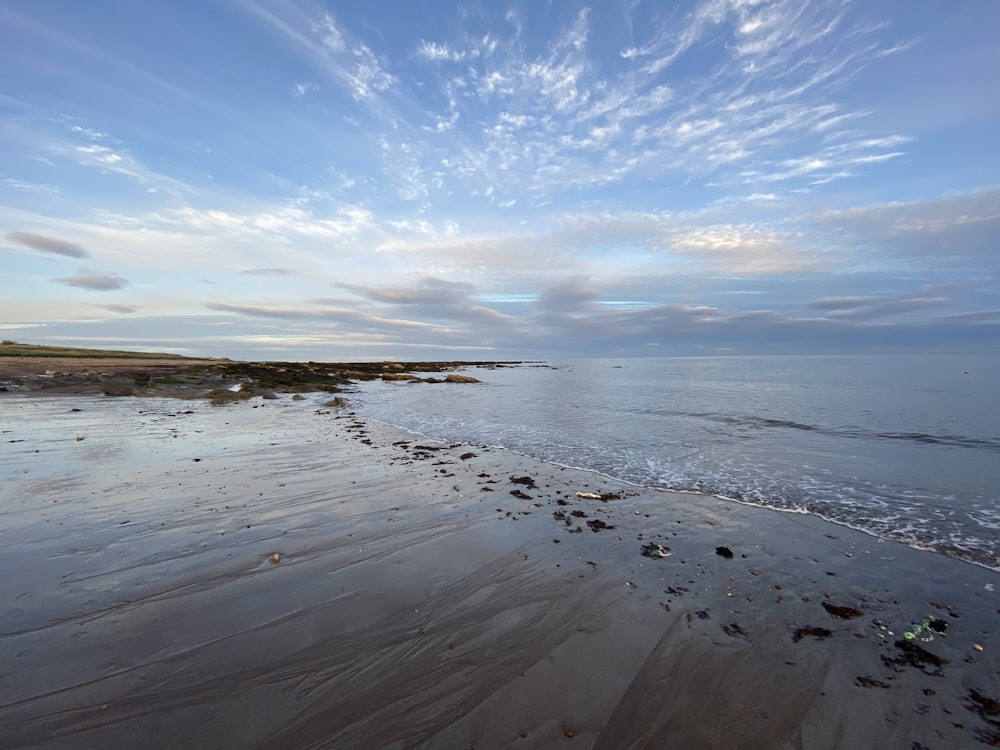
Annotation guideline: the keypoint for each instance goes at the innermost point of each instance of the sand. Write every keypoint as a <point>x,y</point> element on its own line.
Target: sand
<point>282,575</point>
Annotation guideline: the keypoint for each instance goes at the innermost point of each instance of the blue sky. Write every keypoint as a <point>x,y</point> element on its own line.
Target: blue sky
<point>282,179</point>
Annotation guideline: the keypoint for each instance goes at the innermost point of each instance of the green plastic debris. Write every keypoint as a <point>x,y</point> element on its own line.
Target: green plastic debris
<point>926,629</point>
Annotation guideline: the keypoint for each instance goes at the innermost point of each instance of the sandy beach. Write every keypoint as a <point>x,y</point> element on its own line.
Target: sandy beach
<point>279,574</point>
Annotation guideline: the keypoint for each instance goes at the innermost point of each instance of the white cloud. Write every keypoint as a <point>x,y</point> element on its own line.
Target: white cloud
<point>306,87</point>
<point>331,36</point>
<point>368,73</point>
<point>465,186</point>
<point>28,187</point>
<point>439,51</point>
<point>561,120</point>
<point>280,221</point>
<point>336,53</point>
<point>95,135</point>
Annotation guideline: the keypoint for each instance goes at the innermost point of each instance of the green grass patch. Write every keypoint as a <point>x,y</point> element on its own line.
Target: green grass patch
<point>14,349</point>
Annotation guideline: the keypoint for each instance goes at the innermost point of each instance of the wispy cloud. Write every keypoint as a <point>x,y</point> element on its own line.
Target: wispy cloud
<point>122,309</point>
<point>28,187</point>
<point>94,281</point>
<point>269,272</point>
<point>306,87</point>
<point>956,233</point>
<point>45,244</point>
<point>712,173</point>
<point>564,120</point>
<point>322,41</point>
<point>277,220</point>
<point>878,307</point>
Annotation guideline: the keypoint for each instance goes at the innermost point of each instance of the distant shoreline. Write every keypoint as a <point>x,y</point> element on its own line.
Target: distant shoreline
<point>71,370</point>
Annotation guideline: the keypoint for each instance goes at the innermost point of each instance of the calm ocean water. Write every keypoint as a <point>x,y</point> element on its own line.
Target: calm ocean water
<point>906,447</point>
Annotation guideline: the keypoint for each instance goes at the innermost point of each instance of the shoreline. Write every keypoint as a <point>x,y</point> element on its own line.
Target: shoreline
<point>915,545</point>
<point>405,608</point>
<point>221,380</point>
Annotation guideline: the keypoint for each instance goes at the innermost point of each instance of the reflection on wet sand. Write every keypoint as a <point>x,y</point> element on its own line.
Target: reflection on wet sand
<point>278,574</point>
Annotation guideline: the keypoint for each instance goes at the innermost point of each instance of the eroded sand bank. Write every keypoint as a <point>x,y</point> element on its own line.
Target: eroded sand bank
<point>417,602</point>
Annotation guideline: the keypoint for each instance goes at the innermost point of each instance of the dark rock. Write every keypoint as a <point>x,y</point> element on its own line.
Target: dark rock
<point>724,552</point>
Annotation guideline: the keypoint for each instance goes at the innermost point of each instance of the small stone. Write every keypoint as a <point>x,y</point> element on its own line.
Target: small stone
<point>275,557</point>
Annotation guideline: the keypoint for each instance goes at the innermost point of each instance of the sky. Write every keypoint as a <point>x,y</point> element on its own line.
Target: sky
<point>334,180</point>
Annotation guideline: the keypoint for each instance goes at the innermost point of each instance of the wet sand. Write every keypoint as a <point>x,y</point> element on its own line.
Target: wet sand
<point>416,602</point>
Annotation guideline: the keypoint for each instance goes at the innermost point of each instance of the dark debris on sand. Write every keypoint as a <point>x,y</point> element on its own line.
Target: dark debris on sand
<point>867,681</point>
<point>989,710</point>
<point>839,612</point>
<point>597,524</point>
<point>812,632</point>
<point>734,630</point>
<point>915,655</point>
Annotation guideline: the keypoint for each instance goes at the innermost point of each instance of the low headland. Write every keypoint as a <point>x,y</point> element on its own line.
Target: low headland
<point>54,369</point>
<point>283,574</point>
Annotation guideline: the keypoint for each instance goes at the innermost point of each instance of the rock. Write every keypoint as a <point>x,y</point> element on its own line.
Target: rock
<point>724,552</point>
<point>453,377</point>
<point>221,396</point>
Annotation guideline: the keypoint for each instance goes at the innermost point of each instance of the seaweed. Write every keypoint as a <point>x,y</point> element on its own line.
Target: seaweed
<point>839,612</point>
<point>811,631</point>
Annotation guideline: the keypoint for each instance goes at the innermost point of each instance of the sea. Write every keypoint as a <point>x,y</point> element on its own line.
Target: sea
<point>905,447</point>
